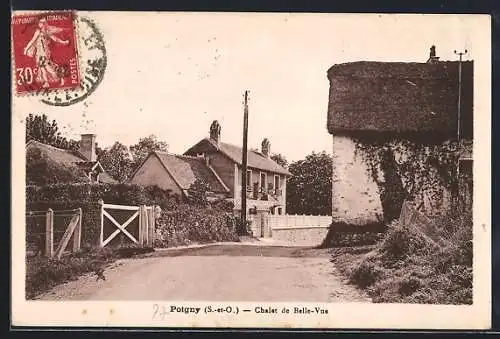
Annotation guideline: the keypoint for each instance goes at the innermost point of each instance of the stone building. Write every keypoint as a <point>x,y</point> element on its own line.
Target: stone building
<point>404,112</point>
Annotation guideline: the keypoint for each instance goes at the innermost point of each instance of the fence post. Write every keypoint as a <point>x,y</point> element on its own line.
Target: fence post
<point>141,224</point>
<point>101,236</point>
<point>145,229</point>
<point>49,233</point>
<point>151,224</point>
<point>77,236</point>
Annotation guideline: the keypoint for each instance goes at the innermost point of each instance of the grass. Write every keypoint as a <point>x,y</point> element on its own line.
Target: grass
<point>42,273</point>
<point>408,266</point>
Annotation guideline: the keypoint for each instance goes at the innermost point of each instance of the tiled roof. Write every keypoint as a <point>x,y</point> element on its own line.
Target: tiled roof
<point>68,158</point>
<point>186,170</point>
<point>398,97</point>
<point>254,159</point>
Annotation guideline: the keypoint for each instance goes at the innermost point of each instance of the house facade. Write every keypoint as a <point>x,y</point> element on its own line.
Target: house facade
<point>408,114</point>
<point>83,163</point>
<point>266,179</point>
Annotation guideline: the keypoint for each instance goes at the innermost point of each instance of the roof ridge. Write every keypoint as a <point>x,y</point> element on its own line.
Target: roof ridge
<point>42,143</point>
<point>234,154</point>
<point>187,156</point>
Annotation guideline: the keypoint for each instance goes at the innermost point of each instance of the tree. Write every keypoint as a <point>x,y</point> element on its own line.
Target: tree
<point>68,144</point>
<point>117,161</point>
<point>145,146</point>
<point>280,159</point>
<point>309,190</point>
<point>39,128</point>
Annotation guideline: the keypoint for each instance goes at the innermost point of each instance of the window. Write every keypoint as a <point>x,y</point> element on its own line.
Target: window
<point>270,187</point>
<point>263,181</point>
<point>280,210</point>
<point>276,183</point>
<point>249,178</point>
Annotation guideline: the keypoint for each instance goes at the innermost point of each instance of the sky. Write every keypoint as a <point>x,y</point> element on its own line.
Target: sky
<point>172,74</point>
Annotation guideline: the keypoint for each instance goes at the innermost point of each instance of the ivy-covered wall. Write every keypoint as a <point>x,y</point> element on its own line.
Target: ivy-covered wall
<point>374,174</point>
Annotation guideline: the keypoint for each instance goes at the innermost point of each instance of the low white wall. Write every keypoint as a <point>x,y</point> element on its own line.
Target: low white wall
<point>305,230</point>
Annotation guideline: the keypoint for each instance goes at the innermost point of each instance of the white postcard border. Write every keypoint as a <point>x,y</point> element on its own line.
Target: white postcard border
<point>342,315</point>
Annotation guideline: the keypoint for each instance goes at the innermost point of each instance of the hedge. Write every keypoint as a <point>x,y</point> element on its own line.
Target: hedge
<point>194,224</point>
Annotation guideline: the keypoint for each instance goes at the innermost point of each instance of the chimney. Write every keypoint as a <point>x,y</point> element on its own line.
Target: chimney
<point>87,147</point>
<point>432,56</point>
<point>266,147</point>
<point>215,131</point>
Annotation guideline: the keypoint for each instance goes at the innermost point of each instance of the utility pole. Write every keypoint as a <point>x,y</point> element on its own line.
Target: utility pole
<point>244,166</point>
<point>460,54</point>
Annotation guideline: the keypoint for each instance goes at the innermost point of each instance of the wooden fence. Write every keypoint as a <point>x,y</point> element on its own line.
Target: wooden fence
<point>73,230</point>
<point>412,217</point>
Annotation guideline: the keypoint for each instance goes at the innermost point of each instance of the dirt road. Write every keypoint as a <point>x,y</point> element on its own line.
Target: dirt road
<point>229,272</point>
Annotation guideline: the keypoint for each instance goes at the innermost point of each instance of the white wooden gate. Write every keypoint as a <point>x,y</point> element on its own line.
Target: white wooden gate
<point>140,221</point>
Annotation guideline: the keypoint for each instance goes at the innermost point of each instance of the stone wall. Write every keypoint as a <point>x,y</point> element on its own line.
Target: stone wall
<point>355,196</point>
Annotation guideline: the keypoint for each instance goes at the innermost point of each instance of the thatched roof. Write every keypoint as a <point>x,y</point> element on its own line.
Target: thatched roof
<point>255,159</point>
<point>399,98</point>
<point>185,170</point>
<point>69,158</point>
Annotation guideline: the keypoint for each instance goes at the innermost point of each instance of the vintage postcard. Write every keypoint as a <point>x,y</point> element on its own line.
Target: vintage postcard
<point>251,170</point>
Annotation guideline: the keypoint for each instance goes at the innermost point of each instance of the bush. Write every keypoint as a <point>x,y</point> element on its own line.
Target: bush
<point>163,198</point>
<point>402,241</point>
<point>222,204</point>
<point>187,224</point>
<point>409,285</point>
<point>366,274</point>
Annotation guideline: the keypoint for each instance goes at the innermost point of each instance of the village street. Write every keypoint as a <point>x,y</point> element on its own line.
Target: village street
<point>220,272</point>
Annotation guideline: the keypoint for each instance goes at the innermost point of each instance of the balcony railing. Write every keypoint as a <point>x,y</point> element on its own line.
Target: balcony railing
<point>261,193</point>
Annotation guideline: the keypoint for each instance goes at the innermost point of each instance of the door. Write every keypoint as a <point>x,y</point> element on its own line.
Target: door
<point>258,225</point>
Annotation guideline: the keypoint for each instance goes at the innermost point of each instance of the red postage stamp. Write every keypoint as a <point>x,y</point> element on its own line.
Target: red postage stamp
<point>45,51</point>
